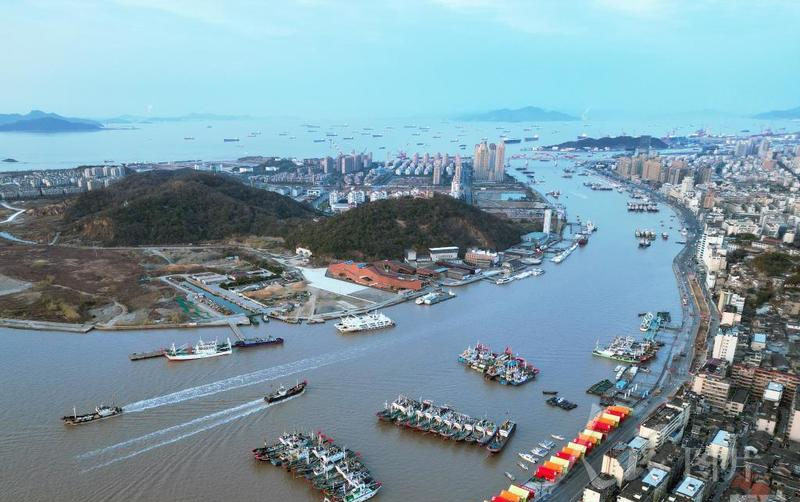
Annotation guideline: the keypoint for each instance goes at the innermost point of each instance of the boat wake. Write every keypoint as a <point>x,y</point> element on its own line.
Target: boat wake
<point>168,430</point>
<point>241,414</point>
<point>245,380</point>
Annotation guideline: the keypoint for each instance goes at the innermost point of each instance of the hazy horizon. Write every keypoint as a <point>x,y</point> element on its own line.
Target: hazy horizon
<point>319,58</point>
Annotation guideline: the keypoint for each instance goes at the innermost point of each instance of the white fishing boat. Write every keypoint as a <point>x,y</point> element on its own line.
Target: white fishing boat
<point>201,350</point>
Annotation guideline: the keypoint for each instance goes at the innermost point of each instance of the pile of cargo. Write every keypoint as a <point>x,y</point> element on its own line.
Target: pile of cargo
<point>514,493</point>
<point>595,432</point>
<point>425,416</point>
<point>505,367</point>
<point>338,472</point>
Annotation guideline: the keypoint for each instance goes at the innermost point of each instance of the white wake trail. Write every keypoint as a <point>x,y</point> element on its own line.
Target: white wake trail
<point>239,381</point>
<point>168,430</point>
<point>177,438</point>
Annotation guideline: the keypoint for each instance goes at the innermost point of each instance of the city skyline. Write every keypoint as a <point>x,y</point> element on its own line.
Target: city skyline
<point>147,57</point>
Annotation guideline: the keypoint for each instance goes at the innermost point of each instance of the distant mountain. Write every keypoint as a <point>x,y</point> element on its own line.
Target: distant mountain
<point>615,143</point>
<point>173,207</point>
<point>192,117</point>
<point>39,121</point>
<point>793,113</point>
<point>525,114</point>
<point>386,228</point>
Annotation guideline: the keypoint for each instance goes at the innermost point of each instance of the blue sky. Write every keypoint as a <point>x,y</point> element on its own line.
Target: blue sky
<point>350,58</point>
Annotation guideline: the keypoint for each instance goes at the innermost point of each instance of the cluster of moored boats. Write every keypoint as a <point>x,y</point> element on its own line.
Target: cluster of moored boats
<point>640,207</point>
<point>627,350</point>
<point>338,472</point>
<point>425,416</point>
<point>505,367</point>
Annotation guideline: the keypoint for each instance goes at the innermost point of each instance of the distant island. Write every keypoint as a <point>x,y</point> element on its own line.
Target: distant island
<point>10,160</point>
<point>525,114</point>
<point>39,121</point>
<point>615,143</point>
<point>792,113</point>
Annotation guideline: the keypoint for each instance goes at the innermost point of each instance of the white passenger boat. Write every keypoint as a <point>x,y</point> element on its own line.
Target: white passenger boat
<point>366,322</point>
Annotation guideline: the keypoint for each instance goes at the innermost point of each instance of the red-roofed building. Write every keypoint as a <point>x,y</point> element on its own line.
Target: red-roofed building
<point>376,275</point>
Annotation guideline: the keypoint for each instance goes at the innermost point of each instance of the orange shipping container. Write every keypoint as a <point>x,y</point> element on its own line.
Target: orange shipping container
<point>589,438</point>
<point>522,492</point>
<point>574,453</point>
<point>509,496</point>
<point>553,466</point>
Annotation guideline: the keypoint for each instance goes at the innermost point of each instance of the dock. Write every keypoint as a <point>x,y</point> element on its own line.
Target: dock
<point>236,331</point>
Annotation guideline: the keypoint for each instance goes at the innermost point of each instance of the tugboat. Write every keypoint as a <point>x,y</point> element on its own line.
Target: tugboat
<point>254,342</point>
<point>283,393</point>
<point>500,439</point>
<point>100,413</point>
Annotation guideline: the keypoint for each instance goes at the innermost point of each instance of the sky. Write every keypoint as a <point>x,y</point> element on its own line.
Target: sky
<point>392,58</point>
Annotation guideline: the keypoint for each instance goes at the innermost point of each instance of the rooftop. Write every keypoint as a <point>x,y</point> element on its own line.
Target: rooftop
<point>690,487</point>
<point>655,477</point>
<point>722,438</point>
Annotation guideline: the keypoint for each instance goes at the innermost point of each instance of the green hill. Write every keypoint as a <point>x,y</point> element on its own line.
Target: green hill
<point>173,207</point>
<point>386,228</point>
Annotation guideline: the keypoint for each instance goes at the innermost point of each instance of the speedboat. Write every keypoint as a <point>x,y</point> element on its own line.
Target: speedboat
<point>556,436</point>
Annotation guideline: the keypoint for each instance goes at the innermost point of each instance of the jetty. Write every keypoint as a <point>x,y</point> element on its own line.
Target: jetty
<point>138,356</point>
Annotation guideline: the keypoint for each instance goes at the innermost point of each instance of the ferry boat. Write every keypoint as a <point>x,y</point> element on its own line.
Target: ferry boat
<point>202,350</point>
<point>366,322</point>
<point>100,413</point>
<point>434,297</point>
<point>626,350</point>
<point>283,393</point>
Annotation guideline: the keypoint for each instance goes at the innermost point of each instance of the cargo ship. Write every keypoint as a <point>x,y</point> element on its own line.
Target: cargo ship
<point>500,439</point>
<point>366,322</point>
<point>627,350</point>
<point>230,140</point>
<point>505,367</point>
<point>255,342</point>
<point>282,394</point>
<point>202,350</point>
<point>100,413</point>
<point>338,472</point>
<point>435,297</point>
<point>425,416</point>
<point>535,137</point>
<point>509,141</point>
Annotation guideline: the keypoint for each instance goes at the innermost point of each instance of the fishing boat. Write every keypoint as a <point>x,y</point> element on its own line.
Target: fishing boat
<point>500,439</point>
<point>509,475</point>
<point>100,413</point>
<point>522,466</point>
<point>547,445</point>
<point>627,350</point>
<point>527,457</point>
<point>366,322</point>
<point>283,393</point>
<point>202,350</point>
